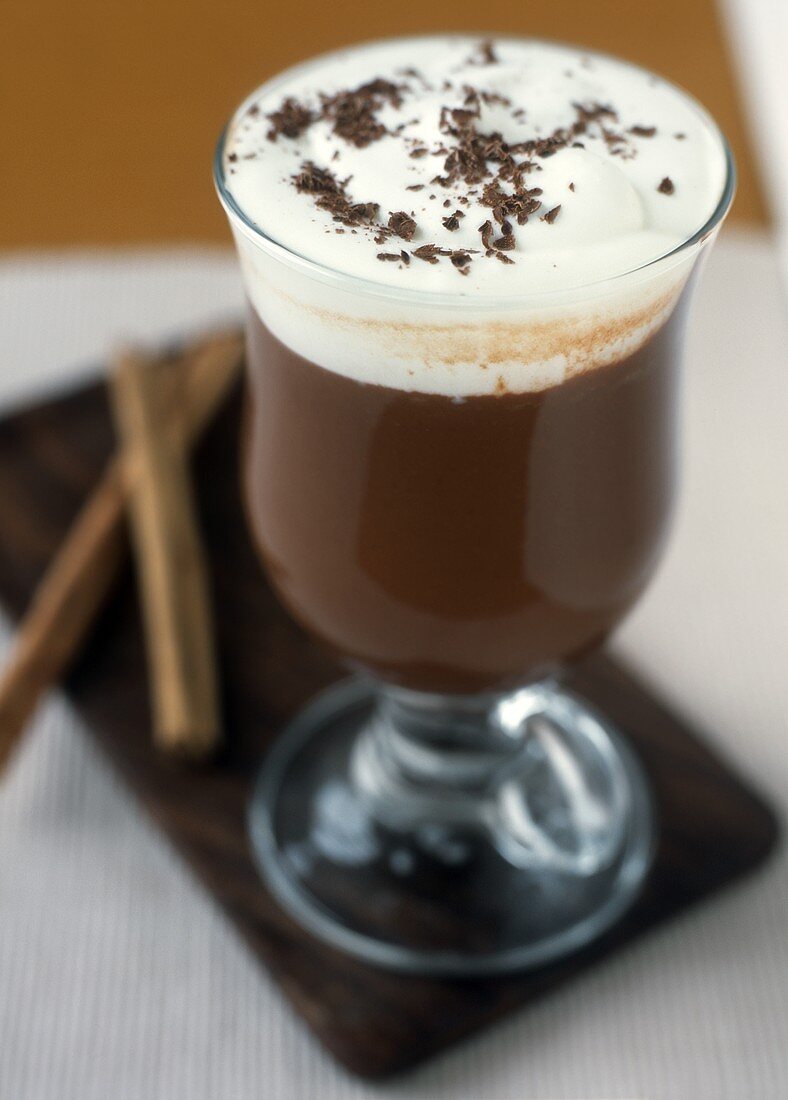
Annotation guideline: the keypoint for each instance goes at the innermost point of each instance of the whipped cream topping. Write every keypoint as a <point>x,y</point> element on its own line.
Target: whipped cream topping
<point>625,132</point>
<point>482,171</point>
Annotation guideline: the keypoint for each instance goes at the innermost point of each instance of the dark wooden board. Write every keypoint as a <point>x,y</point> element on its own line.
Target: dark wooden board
<point>713,828</point>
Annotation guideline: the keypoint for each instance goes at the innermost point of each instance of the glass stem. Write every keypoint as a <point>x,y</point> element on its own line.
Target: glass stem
<point>515,767</point>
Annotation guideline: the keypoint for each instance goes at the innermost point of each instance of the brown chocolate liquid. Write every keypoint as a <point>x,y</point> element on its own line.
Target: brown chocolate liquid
<point>460,546</point>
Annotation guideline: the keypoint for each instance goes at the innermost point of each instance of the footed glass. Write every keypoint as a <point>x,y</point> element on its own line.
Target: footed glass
<point>453,809</point>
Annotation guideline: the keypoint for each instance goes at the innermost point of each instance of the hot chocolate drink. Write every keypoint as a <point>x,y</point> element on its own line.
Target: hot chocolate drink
<point>459,546</point>
<point>459,460</point>
<point>467,267</point>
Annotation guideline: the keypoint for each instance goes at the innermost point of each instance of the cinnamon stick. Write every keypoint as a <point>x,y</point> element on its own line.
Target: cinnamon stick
<point>171,568</point>
<point>76,583</point>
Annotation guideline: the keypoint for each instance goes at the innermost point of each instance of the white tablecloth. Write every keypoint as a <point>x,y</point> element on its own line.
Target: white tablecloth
<point>120,979</point>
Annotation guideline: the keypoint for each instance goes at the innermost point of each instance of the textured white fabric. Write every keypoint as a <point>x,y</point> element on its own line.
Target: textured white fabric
<point>120,979</point>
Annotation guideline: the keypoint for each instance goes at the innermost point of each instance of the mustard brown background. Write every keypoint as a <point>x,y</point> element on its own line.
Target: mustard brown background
<point>110,110</point>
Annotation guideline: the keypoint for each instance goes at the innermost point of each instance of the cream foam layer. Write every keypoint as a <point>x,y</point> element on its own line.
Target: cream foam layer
<point>450,336</point>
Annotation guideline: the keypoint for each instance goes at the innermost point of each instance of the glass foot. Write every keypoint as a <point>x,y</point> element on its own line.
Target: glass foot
<point>452,836</point>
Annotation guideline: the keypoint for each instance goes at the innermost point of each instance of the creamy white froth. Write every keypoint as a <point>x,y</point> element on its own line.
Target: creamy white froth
<point>604,171</point>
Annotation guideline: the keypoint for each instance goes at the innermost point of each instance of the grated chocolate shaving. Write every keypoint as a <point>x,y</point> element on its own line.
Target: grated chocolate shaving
<point>402,224</point>
<point>484,54</point>
<point>551,215</point>
<point>331,195</point>
<point>452,223</point>
<point>666,187</point>
<point>487,231</point>
<point>354,112</point>
<point>290,120</point>
<point>316,181</point>
<point>429,253</point>
<point>520,204</point>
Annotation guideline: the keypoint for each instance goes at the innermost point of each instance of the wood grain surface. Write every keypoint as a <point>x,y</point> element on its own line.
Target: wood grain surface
<point>712,828</point>
<point>73,590</point>
<point>110,111</point>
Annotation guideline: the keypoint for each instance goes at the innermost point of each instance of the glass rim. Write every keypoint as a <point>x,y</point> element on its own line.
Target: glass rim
<point>241,220</point>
